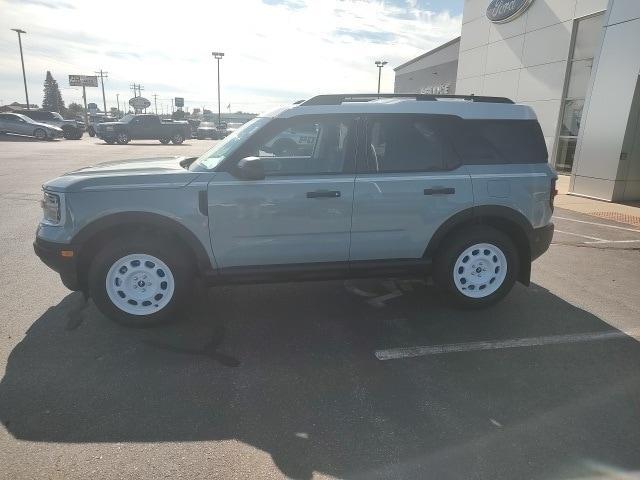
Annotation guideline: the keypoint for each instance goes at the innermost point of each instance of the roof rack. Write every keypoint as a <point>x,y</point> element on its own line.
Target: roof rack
<point>366,97</point>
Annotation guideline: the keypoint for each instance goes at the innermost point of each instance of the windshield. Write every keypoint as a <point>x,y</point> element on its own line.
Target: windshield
<point>57,116</point>
<point>127,118</point>
<point>25,118</point>
<point>222,149</point>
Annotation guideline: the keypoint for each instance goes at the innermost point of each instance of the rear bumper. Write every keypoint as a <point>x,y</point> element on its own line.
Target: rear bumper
<point>51,256</point>
<point>540,239</point>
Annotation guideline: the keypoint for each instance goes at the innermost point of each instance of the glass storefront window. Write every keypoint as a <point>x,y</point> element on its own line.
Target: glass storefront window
<point>565,154</point>
<point>579,78</point>
<point>572,114</point>
<point>587,37</point>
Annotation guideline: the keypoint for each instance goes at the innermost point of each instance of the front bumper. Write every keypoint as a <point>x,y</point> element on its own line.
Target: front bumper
<point>540,239</point>
<point>51,255</point>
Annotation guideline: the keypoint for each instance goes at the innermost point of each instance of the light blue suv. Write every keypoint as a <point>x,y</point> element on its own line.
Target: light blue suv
<point>458,188</point>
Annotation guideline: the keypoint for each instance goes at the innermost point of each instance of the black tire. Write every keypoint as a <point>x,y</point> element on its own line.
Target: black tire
<point>122,138</point>
<point>200,137</point>
<point>40,133</point>
<point>91,132</point>
<point>177,138</point>
<point>165,140</point>
<point>176,259</point>
<point>453,247</point>
<point>110,141</point>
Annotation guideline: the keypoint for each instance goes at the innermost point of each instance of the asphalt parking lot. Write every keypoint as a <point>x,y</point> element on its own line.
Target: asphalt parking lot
<point>357,379</point>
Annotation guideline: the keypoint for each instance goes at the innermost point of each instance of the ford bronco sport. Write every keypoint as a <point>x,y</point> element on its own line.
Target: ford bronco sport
<point>457,188</point>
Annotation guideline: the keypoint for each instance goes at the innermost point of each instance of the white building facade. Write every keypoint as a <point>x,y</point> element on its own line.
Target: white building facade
<point>577,64</point>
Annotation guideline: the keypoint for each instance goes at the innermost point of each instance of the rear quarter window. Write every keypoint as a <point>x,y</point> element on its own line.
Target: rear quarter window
<point>490,142</point>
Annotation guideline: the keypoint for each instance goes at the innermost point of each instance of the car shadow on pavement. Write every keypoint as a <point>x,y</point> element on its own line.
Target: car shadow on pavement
<point>23,138</point>
<point>148,144</point>
<point>291,370</point>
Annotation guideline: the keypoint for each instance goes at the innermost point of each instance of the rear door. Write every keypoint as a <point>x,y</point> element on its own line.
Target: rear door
<point>409,182</point>
<point>16,124</point>
<point>144,127</point>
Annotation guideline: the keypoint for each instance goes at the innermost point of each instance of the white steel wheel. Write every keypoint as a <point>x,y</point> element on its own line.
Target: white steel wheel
<point>122,138</point>
<point>140,284</point>
<point>480,270</point>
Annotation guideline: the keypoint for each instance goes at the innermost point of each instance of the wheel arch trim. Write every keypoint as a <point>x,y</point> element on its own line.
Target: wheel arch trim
<point>491,215</point>
<point>147,219</point>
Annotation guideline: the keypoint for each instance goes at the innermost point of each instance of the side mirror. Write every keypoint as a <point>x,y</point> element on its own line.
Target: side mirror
<point>250,168</point>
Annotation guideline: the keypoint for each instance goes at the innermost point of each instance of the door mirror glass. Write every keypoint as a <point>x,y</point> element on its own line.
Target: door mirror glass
<point>250,168</point>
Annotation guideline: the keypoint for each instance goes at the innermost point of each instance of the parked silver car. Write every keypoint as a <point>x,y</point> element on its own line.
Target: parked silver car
<point>22,125</point>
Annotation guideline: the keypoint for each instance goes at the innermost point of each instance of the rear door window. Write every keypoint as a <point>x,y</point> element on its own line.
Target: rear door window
<point>408,143</point>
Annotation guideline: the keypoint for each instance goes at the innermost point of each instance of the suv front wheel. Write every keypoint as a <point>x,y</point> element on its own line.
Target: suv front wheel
<point>140,281</point>
<point>477,267</point>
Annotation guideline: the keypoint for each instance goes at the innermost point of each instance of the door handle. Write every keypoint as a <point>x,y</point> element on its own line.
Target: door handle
<point>323,194</point>
<point>440,191</point>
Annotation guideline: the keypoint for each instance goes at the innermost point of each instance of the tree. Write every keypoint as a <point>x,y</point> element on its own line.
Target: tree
<point>52,101</point>
<point>75,109</point>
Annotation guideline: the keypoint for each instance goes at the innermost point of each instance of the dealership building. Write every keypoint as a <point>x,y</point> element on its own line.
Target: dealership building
<point>575,62</point>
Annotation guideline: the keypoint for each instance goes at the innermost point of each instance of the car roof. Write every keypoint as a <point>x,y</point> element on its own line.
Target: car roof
<point>467,107</point>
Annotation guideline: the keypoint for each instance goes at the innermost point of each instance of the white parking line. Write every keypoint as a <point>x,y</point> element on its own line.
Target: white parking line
<point>596,239</point>
<point>598,224</point>
<point>410,352</point>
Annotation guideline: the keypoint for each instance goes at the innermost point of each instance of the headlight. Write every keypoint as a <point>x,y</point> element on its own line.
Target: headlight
<point>52,208</point>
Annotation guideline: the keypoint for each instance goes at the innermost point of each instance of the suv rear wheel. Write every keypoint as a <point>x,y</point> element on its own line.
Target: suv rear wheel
<point>139,281</point>
<point>177,138</point>
<point>477,267</point>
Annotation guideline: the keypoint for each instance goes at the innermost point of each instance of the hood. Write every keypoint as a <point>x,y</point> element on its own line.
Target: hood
<point>152,173</point>
<point>46,125</point>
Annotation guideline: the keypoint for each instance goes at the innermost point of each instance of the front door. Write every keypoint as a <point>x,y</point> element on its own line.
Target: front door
<point>409,182</point>
<point>301,212</point>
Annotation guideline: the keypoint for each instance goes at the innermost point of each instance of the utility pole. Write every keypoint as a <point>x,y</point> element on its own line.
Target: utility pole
<point>155,102</point>
<point>380,64</point>
<point>84,100</point>
<point>118,101</point>
<point>218,56</point>
<point>24,75</point>
<point>103,75</point>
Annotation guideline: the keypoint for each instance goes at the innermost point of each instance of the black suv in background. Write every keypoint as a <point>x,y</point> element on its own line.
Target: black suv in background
<point>143,127</point>
<point>71,129</point>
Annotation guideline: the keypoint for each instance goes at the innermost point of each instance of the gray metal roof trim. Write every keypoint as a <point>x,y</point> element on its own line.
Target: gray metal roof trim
<point>430,52</point>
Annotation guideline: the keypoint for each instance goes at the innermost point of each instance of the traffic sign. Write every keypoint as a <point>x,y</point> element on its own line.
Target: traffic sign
<point>179,102</point>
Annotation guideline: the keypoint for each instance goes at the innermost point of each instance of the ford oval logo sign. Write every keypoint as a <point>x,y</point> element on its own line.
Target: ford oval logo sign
<point>503,11</point>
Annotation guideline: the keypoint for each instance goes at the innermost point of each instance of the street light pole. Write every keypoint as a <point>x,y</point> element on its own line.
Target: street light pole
<point>218,56</point>
<point>24,75</point>
<point>380,64</point>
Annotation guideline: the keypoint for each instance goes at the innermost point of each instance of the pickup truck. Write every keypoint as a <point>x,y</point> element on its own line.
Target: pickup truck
<point>143,127</point>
